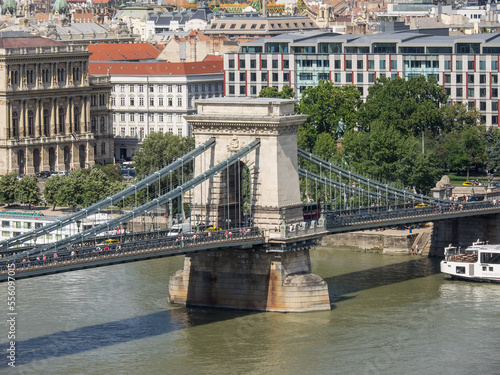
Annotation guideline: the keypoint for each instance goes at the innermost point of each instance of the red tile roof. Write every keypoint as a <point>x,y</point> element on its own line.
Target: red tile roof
<point>122,51</point>
<point>156,68</point>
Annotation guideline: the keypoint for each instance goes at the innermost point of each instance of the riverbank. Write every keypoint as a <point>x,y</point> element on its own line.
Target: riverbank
<point>389,241</point>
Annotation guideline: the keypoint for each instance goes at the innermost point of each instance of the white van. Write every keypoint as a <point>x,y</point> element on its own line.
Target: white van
<point>184,228</point>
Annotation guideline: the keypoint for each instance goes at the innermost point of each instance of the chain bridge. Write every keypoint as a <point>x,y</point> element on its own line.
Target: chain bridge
<point>238,204</point>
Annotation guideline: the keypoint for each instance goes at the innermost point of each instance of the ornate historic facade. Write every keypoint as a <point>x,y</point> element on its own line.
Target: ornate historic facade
<point>52,117</point>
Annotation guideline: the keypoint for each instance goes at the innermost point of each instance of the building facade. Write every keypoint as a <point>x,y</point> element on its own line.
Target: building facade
<point>155,96</point>
<point>45,106</point>
<point>466,67</point>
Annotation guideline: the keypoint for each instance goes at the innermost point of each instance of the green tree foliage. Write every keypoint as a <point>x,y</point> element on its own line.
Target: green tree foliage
<point>27,191</point>
<point>158,150</point>
<point>411,106</point>
<point>8,184</point>
<point>51,191</point>
<point>492,142</point>
<point>458,117</point>
<point>272,92</point>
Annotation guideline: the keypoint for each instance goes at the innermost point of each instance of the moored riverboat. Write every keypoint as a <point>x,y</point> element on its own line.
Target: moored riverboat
<point>478,262</point>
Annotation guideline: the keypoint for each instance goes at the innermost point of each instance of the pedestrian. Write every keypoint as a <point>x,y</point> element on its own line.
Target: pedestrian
<point>55,257</point>
<point>416,249</point>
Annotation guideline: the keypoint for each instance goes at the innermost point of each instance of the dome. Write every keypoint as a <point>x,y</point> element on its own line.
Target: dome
<point>61,6</point>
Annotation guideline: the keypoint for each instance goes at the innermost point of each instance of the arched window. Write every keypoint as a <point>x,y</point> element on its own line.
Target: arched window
<point>46,122</point>
<point>103,148</point>
<point>62,118</point>
<point>31,124</point>
<point>15,124</point>
<point>103,125</point>
<point>93,124</point>
<point>76,119</point>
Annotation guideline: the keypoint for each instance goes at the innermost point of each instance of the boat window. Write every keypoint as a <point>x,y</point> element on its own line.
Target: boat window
<point>485,268</point>
<point>490,258</point>
<point>491,269</point>
<point>460,270</point>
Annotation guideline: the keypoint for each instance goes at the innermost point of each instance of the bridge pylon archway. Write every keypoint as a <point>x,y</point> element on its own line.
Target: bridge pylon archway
<point>273,167</point>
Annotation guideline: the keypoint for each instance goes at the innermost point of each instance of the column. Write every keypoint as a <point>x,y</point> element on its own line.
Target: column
<point>67,121</point>
<point>9,134</point>
<point>38,129</point>
<point>22,125</point>
<point>53,114</point>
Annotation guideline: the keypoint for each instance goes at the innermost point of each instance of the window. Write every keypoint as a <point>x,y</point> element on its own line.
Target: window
<point>179,132</point>
<point>348,77</point>
<point>122,117</point>
<point>170,102</point>
<point>141,88</point>
<point>371,64</point>
<point>494,78</point>
<point>103,147</point>
<point>371,77</point>
<point>230,63</point>
<point>264,64</point>
<point>494,120</point>
<point>122,88</point>
<point>132,132</point>
<point>242,79</point>
<point>494,93</point>
<point>131,88</point>
<point>286,64</point>
<point>470,65</point>
<point>286,76</point>
<point>360,77</point>
<point>179,102</point>
<point>242,90</point>
<point>494,106</point>
<point>141,102</point>
<point>470,105</point>
<point>275,64</point>
<point>30,76</point>
<point>482,65</point>
<point>482,78</point>
<point>447,65</point>
<point>337,77</point>
<point>459,92</point>
<point>482,92</point>
<point>382,64</point>
<point>459,65</point>
<point>132,102</point>
<point>231,89</point>
<point>348,64</point>
<point>151,88</point>
<point>179,88</point>
<point>470,92</point>
<point>494,65</point>
<point>253,64</point>
<point>122,101</point>
<point>151,102</point>
<point>275,77</point>
<point>359,64</point>
<point>447,78</point>
<point>337,64</point>
<point>447,91</point>
<point>160,102</point>
<point>470,78</point>
<point>131,117</point>
<point>242,64</point>
<point>230,79</point>
<point>169,88</point>
<point>394,64</point>
<point>263,77</point>
<point>459,78</point>
<point>482,106</point>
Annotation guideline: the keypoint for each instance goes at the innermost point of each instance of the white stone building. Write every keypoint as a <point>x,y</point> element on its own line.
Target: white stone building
<point>155,96</point>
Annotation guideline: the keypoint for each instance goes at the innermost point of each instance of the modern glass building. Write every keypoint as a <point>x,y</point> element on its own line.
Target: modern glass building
<point>467,67</point>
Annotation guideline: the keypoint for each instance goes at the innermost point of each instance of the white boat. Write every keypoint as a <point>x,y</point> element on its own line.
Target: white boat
<point>479,262</point>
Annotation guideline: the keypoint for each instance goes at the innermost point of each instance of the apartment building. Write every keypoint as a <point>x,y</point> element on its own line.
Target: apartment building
<point>467,67</point>
<point>154,96</point>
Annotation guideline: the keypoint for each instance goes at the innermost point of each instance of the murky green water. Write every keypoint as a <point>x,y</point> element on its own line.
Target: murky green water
<point>390,315</point>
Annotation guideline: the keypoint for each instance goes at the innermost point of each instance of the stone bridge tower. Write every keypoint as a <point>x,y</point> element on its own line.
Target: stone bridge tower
<point>276,275</point>
<point>273,167</point>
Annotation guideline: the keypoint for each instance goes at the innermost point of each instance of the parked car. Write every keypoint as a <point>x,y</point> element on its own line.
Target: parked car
<point>422,205</point>
<point>43,174</point>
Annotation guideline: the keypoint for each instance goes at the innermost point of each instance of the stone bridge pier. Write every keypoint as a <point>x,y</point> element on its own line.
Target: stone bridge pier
<point>261,189</point>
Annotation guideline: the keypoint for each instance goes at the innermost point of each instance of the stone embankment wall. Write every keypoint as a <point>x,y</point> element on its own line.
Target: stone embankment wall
<point>386,242</point>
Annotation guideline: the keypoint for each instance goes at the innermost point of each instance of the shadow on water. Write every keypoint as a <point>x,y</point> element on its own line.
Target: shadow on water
<point>381,276</point>
<point>94,337</point>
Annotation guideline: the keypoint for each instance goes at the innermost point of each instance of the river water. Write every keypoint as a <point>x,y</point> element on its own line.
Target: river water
<point>390,315</point>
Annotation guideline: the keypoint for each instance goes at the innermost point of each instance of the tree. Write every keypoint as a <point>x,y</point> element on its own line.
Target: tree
<point>158,150</point>
<point>326,104</point>
<point>27,191</point>
<point>51,191</point>
<point>272,92</point>
<point>8,184</point>
<point>458,117</point>
<point>411,106</point>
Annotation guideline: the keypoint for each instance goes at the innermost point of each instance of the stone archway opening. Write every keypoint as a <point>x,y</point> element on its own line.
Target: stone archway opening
<point>234,208</point>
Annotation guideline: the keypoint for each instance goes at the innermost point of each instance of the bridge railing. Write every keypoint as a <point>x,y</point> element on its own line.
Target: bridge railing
<point>97,253</point>
<point>339,221</point>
